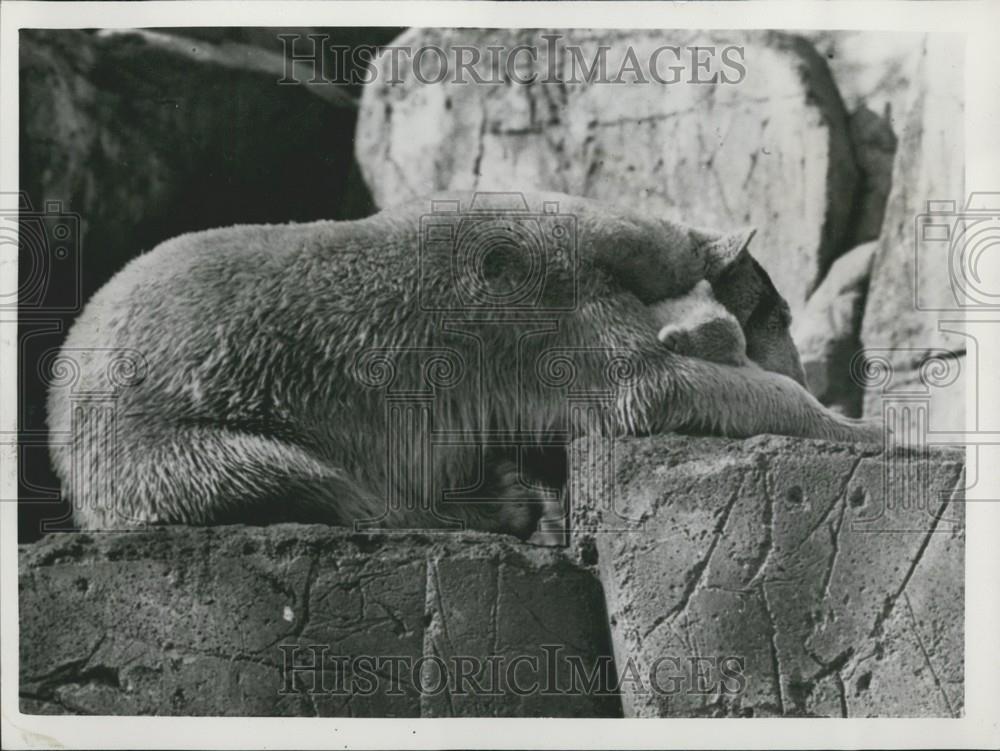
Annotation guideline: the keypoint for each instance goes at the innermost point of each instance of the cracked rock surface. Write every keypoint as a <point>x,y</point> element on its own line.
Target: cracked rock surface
<point>772,576</point>
<point>833,574</point>
<point>919,284</point>
<point>193,621</point>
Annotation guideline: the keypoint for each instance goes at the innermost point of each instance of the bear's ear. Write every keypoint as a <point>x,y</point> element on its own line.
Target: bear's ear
<point>723,251</point>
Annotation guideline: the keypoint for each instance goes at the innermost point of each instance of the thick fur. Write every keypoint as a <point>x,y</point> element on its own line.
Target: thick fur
<point>274,355</point>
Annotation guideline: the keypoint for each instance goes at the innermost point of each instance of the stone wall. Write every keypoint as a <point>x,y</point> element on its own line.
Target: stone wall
<point>726,578</point>
<point>914,289</point>
<point>210,622</point>
<point>832,573</point>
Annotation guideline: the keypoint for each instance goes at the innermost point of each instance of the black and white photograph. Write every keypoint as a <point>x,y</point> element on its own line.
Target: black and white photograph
<point>510,361</point>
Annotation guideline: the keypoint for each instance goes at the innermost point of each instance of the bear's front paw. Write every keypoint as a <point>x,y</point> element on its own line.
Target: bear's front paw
<point>676,339</point>
<point>716,341</point>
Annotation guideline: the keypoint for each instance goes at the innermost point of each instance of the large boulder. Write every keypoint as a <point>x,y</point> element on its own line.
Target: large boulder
<point>803,578</point>
<point>307,621</point>
<point>826,333</point>
<point>914,287</point>
<point>769,149</point>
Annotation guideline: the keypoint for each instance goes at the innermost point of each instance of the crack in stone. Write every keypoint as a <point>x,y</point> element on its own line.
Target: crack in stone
<point>890,601</point>
<point>495,611</point>
<point>773,641</point>
<point>54,700</point>
<point>665,116</point>
<point>835,549</point>
<point>915,627</point>
<point>767,546</point>
<point>311,574</point>
<point>841,495</point>
<point>436,599</point>
<point>481,148</point>
<point>70,667</point>
<point>559,637</point>
<point>98,675</point>
<point>696,573</point>
<point>446,688</point>
<point>247,657</point>
<point>307,587</point>
<point>400,173</point>
<point>801,689</point>
<point>535,129</point>
<point>391,617</point>
<point>842,691</point>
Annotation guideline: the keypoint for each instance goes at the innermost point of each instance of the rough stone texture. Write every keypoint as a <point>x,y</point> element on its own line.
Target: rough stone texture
<point>772,151</point>
<point>840,590</point>
<point>874,73</point>
<point>185,621</point>
<point>764,577</point>
<point>146,139</point>
<point>907,299</point>
<point>826,333</point>
<point>872,69</point>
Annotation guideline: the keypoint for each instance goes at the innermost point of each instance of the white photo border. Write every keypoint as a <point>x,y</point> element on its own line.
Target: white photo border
<point>979,728</point>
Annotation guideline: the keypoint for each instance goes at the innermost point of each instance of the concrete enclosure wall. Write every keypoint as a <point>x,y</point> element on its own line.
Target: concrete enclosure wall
<point>711,578</point>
